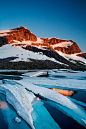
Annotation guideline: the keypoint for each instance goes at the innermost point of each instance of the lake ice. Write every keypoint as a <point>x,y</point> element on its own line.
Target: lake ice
<point>21,93</point>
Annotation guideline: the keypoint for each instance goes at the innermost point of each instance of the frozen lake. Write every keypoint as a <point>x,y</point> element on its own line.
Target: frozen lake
<point>55,101</point>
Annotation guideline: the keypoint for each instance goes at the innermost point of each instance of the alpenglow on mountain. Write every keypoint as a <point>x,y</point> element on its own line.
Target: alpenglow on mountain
<point>22,45</point>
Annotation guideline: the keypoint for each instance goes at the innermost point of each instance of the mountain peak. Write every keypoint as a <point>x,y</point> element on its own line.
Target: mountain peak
<point>21,36</point>
<point>18,34</point>
<point>19,28</point>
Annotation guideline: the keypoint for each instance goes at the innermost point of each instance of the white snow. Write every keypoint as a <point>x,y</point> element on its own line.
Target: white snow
<point>9,51</point>
<point>39,40</point>
<point>63,44</point>
<point>4,32</point>
<point>71,56</point>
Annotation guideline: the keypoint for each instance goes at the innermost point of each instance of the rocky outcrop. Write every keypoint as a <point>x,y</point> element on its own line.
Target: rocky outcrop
<point>49,53</point>
<point>70,49</point>
<point>83,55</point>
<point>2,41</point>
<point>20,34</point>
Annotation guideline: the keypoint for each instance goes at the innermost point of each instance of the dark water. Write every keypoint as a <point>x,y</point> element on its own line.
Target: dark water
<point>63,120</point>
<point>10,77</point>
<point>3,124</point>
<point>80,96</point>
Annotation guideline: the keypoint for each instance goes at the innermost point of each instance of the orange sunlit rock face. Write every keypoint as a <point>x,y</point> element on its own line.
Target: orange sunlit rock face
<point>38,98</point>
<point>64,92</point>
<point>21,33</point>
<point>3,105</point>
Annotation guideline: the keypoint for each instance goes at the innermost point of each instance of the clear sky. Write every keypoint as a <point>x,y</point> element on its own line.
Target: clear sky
<point>65,19</point>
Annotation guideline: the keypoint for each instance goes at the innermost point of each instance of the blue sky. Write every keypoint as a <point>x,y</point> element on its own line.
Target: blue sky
<point>65,19</point>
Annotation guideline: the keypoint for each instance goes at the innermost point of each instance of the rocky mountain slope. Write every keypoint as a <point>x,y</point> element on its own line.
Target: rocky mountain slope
<point>65,52</point>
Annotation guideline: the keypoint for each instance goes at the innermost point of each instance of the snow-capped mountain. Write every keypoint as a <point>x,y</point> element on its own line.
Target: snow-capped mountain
<point>16,42</point>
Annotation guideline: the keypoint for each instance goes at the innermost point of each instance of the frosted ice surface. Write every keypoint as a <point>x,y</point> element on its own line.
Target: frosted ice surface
<point>59,83</point>
<point>18,97</point>
<point>10,114</point>
<point>48,93</point>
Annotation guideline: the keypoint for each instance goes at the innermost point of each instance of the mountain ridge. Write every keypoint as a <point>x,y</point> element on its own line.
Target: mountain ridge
<point>58,49</point>
<point>22,33</point>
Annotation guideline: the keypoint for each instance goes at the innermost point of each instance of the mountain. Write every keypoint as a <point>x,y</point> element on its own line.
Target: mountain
<point>65,53</point>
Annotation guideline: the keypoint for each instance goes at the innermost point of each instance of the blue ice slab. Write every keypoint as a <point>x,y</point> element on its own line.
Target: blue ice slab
<point>78,102</point>
<point>9,116</point>
<point>41,117</point>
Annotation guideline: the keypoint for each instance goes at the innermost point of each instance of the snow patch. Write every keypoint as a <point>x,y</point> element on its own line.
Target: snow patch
<point>71,56</point>
<point>4,32</point>
<point>63,44</point>
<point>22,54</point>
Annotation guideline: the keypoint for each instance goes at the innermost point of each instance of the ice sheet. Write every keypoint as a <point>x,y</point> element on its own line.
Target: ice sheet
<point>69,75</point>
<point>72,109</point>
<point>60,82</point>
